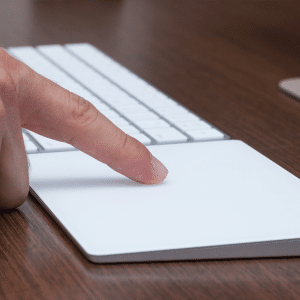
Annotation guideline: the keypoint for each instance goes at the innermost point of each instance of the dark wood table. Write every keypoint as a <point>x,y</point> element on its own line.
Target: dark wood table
<point>223,60</point>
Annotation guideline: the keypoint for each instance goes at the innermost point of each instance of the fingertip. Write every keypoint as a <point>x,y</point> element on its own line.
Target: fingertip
<point>160,170</point>
<point>154,173</point>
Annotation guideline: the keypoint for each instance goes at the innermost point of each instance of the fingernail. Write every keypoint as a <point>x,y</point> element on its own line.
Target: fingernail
<point>160,170</point>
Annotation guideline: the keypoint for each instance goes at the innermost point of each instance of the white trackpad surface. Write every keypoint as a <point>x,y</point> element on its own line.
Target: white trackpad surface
<point>215,193</point>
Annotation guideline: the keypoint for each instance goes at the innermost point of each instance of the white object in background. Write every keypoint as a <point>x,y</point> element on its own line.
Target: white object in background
<point>291,86</point>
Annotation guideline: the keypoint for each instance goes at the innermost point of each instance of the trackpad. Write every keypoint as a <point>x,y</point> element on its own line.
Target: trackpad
<point>216,193</point>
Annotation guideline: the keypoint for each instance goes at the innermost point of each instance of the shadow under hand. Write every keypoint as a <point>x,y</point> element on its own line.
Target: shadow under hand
<point>101,182</point>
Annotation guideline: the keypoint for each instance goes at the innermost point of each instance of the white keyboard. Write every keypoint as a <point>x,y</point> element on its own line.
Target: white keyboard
<point>132,104</point>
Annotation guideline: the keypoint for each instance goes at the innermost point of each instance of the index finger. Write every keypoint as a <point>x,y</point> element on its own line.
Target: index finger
<point>52,111</point>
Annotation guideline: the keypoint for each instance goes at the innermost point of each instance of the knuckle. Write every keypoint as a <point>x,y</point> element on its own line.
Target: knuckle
<point>12,71</point>
<point>7,85</point>
<point>82,111</point>
<point>82,114</point>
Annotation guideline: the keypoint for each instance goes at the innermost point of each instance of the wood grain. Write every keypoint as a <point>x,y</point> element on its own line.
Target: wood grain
<point>223,60</point>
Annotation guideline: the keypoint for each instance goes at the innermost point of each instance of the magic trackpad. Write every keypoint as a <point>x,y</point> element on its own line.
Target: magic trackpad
<point>215,193</point>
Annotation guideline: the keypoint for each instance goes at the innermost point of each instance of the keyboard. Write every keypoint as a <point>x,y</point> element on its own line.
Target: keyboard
<point>132,104</point>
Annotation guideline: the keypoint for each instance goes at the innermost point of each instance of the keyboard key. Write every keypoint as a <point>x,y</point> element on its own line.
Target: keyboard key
<point>119,121</point>
<point>30,146</point>
<point>205,134</point>
<point>97,103</point>
<point>165,135</point>
<point>118,97</point>
<point>171,110</point>
<point>119,102</point>
<point>194,125</point>
<point>25,137</point>
<point>141,116</point>
<point>129,129</point>
<point>141,138</point>
<point>49,144</point>
<point>156,104</point>
<point>152,123</point>
<point>155,98</point>
<point>131,109</point>
<point>110,114</point>
<point>92,56</point>
<point>122,103</point>
<point>181,117</point>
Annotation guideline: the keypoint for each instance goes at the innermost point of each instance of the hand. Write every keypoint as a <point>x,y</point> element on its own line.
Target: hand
<point>31,101</point>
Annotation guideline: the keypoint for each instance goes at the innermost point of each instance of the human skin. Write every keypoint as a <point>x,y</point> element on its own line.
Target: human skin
<point>29,100</point>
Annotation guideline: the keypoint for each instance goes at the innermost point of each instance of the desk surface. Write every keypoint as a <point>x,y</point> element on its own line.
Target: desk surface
<point>221,59</point>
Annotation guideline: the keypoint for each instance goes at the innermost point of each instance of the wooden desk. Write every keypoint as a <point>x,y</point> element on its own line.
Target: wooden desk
<point>223,60</point>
